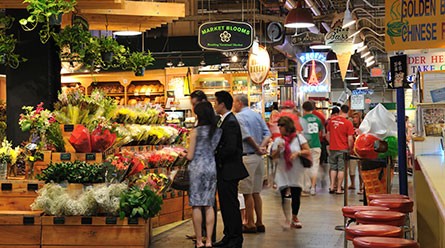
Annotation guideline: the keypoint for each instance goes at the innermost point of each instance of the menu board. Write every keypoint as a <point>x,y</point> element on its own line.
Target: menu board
<point>432,119</point>
<point>358,102</point>
<point>432,86</point>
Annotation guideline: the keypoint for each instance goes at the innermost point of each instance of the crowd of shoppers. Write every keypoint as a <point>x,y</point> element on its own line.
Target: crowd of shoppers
<point>226,156</point>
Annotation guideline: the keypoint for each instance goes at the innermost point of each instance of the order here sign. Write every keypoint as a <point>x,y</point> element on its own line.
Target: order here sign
<point>414,24</point>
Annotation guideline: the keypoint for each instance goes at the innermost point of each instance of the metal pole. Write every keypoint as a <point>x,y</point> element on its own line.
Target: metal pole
<point>401,133</point>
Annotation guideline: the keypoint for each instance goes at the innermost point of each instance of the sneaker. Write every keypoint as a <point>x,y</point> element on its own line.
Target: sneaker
<point>313,191</point>
<point>296,223</point>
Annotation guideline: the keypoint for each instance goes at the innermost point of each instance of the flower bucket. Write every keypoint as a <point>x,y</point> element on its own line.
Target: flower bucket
<point>140,72</point>
<point>3,171</point>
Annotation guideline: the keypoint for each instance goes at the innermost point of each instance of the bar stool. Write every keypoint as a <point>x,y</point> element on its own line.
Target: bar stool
<point>380,217</point>
<point>387,196</point>
<point>349,211</point>
<point>384,242</point>
<point>400,205</point>
<point>372,231</point>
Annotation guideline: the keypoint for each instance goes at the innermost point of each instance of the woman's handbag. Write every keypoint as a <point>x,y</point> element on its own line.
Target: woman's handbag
<point>181,181</point>
<point>306,162</point>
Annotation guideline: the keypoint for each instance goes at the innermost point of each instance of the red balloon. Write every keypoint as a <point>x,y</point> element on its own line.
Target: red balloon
<point>364,146</point>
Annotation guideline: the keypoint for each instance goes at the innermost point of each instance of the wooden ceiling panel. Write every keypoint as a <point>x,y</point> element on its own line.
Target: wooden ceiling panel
<point>81,4</point>
<point>133,8</point>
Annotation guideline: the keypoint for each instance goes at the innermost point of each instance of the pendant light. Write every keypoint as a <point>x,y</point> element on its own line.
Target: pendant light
<point>299,17</point>
<point>348,19</point>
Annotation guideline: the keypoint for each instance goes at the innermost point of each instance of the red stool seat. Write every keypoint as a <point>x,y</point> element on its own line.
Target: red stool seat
<point>400,205</point>
<point>349,211</point>
<point>384,242</point>
<point>373,231</point>
<point>387,196</point>
<point>380,217</point>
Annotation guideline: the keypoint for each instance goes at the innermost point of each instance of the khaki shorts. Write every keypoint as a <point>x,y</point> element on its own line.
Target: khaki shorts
<point>254,182</point>
<point>353,163</point>
<point>337,160</point>
<point>315,152</point>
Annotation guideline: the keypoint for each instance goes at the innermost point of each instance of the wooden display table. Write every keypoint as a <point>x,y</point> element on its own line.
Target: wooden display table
<point>18,194</point>
<point>20,229</point>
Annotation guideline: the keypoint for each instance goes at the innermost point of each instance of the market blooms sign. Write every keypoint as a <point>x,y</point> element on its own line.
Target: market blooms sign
<point>414,24</point>
<point>225,36</point>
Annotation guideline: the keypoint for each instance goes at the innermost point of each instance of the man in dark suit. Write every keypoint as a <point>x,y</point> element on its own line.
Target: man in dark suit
<point>230,170</point>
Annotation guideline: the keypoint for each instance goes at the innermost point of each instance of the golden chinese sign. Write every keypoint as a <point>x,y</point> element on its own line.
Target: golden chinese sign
<point>414,24</point>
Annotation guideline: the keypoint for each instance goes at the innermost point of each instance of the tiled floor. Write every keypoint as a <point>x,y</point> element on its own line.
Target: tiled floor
<point>319,215</point>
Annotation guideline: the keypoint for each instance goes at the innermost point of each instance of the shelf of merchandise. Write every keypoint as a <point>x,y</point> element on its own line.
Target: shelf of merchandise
<point>119,85</point>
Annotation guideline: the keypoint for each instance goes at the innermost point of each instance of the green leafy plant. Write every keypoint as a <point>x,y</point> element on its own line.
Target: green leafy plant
<point>137,202</point>
<point>8,56</point>
<point>73,172</point>
<point>112,53</point>
<point>55,138</point>
<point>138,61</point>
<point>42,12</point>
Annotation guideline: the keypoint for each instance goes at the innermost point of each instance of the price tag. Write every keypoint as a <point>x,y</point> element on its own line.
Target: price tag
<point>90,157</point>
<point>68,128</point>
<point>358,102</point>
<point>65,156</point>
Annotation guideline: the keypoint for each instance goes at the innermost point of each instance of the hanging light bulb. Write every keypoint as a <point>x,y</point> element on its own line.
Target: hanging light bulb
<point>169,63</point>
<point>234,58</point>
<point>202,63</point>
<point>299,17</point>
<point>180,63</point>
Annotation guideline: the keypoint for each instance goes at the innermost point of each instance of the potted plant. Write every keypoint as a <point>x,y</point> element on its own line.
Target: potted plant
<point>112,53</point>
<point>78,45</point>
<point>47,13</point>
<point>137,61</point>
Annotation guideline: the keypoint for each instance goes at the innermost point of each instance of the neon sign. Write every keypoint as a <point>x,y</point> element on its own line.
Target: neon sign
<point>314,73</point>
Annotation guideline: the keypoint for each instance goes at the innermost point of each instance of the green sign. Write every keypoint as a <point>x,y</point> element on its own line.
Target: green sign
<point>225,36</point>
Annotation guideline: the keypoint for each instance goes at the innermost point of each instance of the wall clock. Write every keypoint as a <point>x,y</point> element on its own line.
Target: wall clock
<point>275,31</point>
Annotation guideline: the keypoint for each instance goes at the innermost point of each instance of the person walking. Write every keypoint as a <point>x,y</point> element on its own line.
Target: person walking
<point>312,133</point>
<point>340,137</point>
<point>202,170</point>
<point>256,136</point>
<point>290,172</point>
<point>230,170</point>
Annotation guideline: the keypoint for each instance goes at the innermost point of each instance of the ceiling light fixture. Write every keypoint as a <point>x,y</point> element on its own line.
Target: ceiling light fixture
<point>299,17</point>
<point>180,63</point>
<point>348,19</point>
<point>169,63</point>
<point>351,77</point>
<point>368,64</point>
<point>234,59</point>
<point>365,53</point>
<point>127,33</point>
<point>370,58</point>
<point>362,88</point>
<point>320,47</point>
<point>358,42</point>
<point>360,49</point>
<point>202,63</point>
<point>355,84</point>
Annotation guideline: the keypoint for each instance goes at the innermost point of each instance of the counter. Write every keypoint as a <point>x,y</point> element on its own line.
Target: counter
<point>429,188</point>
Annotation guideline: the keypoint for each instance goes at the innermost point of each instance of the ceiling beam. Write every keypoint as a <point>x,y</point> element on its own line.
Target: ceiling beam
<point>81,4</point>
<point>132,8</point>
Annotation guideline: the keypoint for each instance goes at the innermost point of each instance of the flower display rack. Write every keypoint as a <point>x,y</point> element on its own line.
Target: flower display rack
<point>100,232</point>
<point>18,194</point>
<point>92,158</point>
<point>20,229</point>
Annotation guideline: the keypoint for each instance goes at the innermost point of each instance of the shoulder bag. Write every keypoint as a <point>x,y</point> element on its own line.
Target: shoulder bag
<point>306,162</point>
<point>181,181</point>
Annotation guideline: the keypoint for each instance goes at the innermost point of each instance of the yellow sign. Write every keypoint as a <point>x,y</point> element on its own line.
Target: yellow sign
<point>258,65</point>
<point>414,24</point>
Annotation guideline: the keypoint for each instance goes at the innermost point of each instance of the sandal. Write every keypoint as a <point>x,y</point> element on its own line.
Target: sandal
<point>351,187</point>
<point>331,191</point>
<point>339,193</point>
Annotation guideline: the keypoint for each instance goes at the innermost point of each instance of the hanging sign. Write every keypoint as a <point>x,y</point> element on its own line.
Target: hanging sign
<point>358,102</point>
<point>414,24</point>
<point>258,65</point>
<point>398,72</point>
<point>225,36</point>
<point>313,73</point>
<point>431,61</point>
<point>307,38</point>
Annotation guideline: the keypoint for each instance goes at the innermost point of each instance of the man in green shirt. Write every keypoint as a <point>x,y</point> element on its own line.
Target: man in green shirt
<point>312,128</point>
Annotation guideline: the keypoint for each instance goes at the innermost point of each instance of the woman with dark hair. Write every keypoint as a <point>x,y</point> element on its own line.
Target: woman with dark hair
<point>290,172</point>
<point>202,170</point>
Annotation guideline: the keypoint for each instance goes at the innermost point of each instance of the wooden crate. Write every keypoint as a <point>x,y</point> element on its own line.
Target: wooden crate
<point>172,208</point>
<point>20,229</point>
<point>77,231</point>
<point>57,157</point>
<point>18,194</point>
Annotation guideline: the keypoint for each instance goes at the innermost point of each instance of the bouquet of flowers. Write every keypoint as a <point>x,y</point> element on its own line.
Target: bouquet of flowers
<point>144,116</point>
<point>158,183</point>
<point>165,157</point>
<point>7,153</point>
<point>37,121</point>
<point>123,165</point>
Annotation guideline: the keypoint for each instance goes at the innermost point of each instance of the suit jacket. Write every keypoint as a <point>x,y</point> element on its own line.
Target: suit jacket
<point>230,151</point>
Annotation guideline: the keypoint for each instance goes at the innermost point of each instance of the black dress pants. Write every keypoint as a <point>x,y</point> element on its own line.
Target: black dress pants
<point>231,215</point>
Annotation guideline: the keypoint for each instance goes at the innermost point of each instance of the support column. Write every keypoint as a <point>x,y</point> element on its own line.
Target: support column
<point>36,80</point>
<point>401,133</point>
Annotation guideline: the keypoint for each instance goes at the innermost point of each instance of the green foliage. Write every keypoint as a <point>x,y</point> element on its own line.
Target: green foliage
<point>73,172</point>
<point>118,52</point>
<point>8,56</point>
<point>42,12</point>
<point>137,202</point>
<point>55,138</point>
<point>138,60</point>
